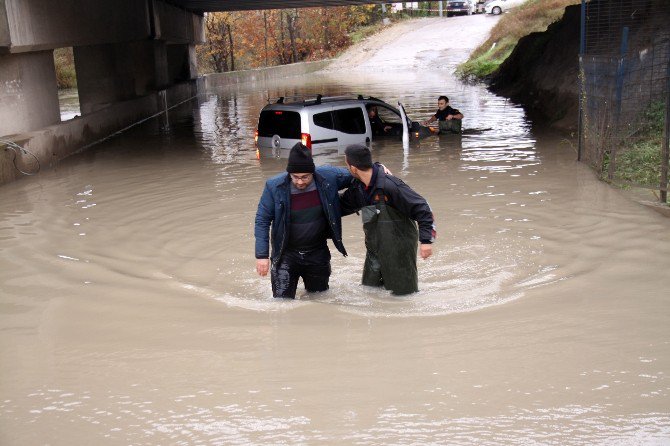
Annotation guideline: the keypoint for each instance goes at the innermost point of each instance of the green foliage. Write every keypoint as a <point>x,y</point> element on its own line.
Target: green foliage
<point>640,162</point>
<point>66,76</point>
<point>653,119</point>
<point>364,32</point>
<point>482,66</point>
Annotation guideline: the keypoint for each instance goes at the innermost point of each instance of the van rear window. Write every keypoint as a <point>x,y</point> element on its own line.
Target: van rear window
<point>284,123</point>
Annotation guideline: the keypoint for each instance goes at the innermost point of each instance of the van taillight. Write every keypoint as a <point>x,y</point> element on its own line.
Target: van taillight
<point>306,140</point>
<point>256,136</point>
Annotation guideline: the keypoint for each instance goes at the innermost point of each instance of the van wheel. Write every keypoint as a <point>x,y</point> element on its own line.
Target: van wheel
<point>496,10</point>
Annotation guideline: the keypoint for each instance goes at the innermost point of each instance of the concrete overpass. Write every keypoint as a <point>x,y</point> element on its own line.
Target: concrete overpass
<point>133,58</point>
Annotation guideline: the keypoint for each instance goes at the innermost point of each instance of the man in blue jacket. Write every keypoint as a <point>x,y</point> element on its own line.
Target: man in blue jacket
<point>301,210</point>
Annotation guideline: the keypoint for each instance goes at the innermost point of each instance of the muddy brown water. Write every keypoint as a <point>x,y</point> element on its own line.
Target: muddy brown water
<point>131,313</point>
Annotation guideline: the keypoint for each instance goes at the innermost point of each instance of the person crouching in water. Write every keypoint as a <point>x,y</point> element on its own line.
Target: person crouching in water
<point>448,119</point>
<point>302,208</point>
<point>389,209</point>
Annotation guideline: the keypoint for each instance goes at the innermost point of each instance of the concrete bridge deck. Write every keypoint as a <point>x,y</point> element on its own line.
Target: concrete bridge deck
<point>133,59</point>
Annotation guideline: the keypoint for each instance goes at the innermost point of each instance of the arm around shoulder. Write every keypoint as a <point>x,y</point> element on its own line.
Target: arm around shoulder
<point>343,177</point>
<point>349,202</point>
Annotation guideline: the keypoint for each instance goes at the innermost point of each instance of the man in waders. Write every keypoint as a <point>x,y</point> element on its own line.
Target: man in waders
<point>302,208</point>
<point>448,119</point>
<point>389,208</point>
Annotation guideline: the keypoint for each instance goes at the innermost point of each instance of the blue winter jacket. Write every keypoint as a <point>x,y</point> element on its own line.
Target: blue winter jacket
<point>274,210</point>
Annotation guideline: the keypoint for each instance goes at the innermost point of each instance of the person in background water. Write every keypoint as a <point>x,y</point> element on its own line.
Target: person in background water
<point>301,208</point>
<point>389,209</point>
<point>448,119</point>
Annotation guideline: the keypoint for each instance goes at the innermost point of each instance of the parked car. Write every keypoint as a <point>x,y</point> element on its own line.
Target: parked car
<point>326,123</point>
<point>497,7</point>
<point>461,7</point>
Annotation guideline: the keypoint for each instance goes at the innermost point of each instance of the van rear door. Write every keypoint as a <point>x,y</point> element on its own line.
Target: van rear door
<point>351,125</point>
<point>278,129</point>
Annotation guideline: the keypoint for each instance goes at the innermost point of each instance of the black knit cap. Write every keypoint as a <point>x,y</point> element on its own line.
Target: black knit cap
<point>300,160</point>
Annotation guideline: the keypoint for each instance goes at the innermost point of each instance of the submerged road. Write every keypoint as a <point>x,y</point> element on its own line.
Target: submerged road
<point>130,312</point>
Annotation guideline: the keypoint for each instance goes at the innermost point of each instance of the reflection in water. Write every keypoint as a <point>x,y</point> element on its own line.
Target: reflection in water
<point>69,103</point>
<point>131,313</point>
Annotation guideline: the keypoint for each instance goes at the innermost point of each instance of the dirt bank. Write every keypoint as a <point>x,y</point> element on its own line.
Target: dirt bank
<point>542,72</point>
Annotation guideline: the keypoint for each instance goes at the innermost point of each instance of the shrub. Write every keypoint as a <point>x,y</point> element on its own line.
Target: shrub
<point>640,161</point>
<point>66,76</point>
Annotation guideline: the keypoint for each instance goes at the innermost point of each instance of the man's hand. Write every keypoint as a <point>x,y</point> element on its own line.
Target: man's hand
<point>386,169</point>
<point>263,265</point>
<point>426,250</point>
<point>450,117</point>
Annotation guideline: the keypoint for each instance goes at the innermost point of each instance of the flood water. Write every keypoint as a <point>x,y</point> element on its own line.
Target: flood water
<point>131,312</point>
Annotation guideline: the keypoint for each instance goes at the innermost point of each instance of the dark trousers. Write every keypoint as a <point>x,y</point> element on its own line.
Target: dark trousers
<point>313,266</point>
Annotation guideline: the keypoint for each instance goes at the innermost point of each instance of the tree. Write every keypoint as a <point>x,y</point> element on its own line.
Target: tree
<point>220,47</point>
<point>250,39</point>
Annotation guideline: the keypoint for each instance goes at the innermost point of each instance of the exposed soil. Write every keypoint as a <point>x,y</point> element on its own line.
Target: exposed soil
<point>542,73</point>
<point>543,70</point>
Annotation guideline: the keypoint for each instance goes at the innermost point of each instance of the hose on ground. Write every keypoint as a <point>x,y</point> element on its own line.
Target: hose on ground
<point>17,149</point>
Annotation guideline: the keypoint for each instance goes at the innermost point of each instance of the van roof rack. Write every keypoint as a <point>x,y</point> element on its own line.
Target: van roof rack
<point>317,99</point>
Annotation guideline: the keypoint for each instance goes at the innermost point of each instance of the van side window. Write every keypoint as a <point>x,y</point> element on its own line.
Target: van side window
<point>286,124</point>
<point>324,120</point>
<point>350,120</point>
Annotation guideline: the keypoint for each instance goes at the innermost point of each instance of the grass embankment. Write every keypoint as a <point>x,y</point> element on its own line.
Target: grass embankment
<point>532,16</point>
<point>364,32</point>
<point>640,163</point>
<point>65,74</point>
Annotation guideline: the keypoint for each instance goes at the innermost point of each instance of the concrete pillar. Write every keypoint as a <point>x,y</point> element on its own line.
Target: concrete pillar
<point>118,72</point>
<point>182,63</point>
<point>28,92</point>
<point>132,57</point>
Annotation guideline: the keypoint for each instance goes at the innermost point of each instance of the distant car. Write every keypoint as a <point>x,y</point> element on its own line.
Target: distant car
<point>497,7</point>
<point>467,7</point>
<point>326,123</point>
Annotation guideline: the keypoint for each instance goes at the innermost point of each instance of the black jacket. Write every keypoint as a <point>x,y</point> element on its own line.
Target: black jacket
<point>396,194</point>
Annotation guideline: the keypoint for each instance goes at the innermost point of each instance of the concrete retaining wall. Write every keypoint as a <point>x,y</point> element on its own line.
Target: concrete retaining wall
<point>218,80</point>
<point>53,143</point>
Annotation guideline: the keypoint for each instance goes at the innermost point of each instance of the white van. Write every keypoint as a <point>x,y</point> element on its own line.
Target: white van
<point>496,7</point>
<point>325,123</point>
